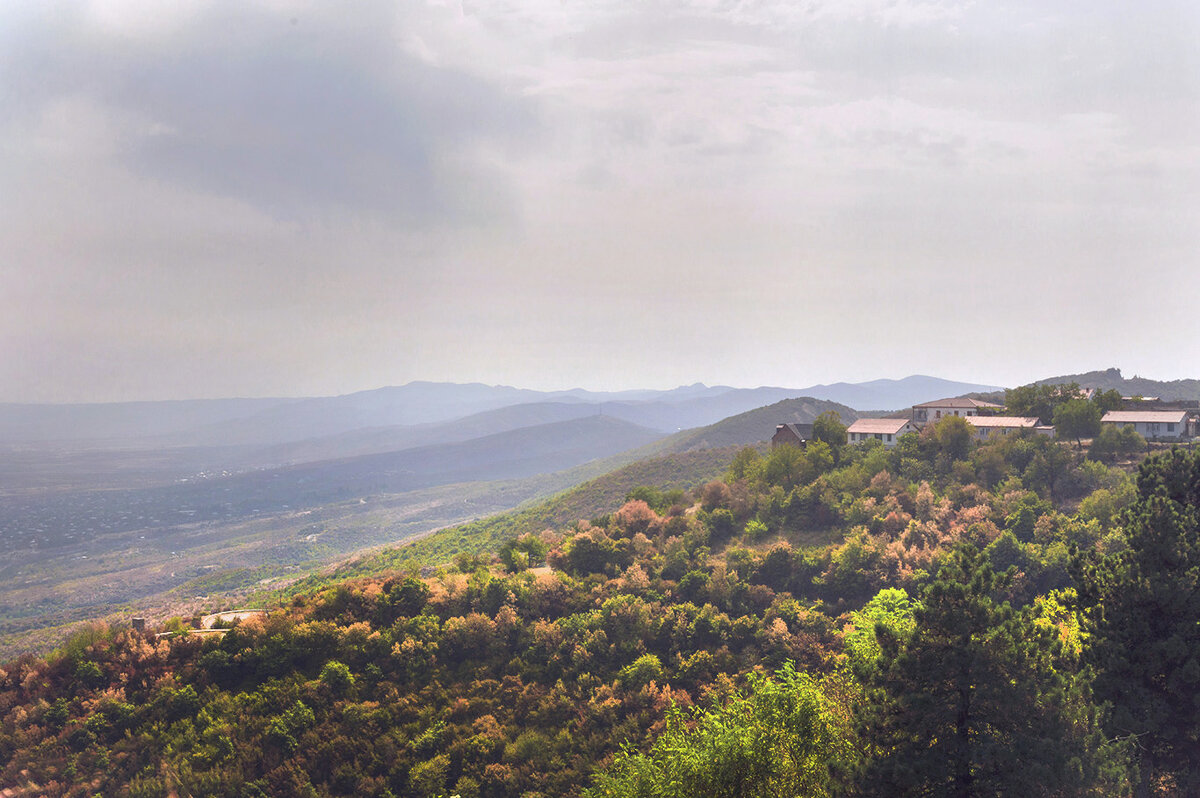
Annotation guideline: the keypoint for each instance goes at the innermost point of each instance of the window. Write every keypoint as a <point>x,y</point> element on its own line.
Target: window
<point>1170,428</point>
<point>889,437</point>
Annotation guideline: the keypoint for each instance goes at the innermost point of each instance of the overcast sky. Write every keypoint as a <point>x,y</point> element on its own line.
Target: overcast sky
<point>202,199</point>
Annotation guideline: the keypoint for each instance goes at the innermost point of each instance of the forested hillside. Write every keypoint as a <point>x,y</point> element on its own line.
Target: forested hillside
<point>941,618</point>
<point>1113,380</point>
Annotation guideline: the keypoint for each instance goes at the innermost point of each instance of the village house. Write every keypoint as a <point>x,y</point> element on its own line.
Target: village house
<point>1153,425</point>
<point>990,426</point>
<point>793,434</point>
<point>887,430</point>
<point>932,412</point>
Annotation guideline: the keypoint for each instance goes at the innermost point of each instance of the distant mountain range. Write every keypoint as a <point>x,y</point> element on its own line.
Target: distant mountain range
<point>362,422</point>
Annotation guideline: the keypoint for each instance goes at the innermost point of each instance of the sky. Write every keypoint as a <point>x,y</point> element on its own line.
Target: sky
<point>208,198</point>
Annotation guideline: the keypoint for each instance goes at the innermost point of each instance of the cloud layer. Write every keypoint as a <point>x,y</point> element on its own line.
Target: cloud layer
<point>285,197</point>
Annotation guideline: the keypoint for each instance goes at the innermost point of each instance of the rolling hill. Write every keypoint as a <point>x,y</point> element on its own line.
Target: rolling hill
<point>753,426</point>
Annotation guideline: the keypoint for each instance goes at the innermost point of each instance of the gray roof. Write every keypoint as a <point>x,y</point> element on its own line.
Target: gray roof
<point>878,426</point>
<point>1145,417</point>
<point>958,403</point>
<point>1001,422</point>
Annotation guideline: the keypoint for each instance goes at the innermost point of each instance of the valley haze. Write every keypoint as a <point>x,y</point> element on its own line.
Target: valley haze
<point>167,506</point>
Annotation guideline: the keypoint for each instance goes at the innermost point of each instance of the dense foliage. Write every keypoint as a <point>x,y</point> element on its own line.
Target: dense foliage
<point>833,620</point>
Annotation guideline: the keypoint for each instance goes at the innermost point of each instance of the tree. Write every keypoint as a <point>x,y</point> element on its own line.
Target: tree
<point>973,703</point>
<point>893,610</point>
<point>1107,400</point>
<point>781,738</point>
<point>947,442</point>
<point>747,464</point>
<point>1116,441</point>
<point>828,427</point>
<point>1039,400</point>
<point>786,467</point>
<point>1078,419</point>
<point>1142,614</point>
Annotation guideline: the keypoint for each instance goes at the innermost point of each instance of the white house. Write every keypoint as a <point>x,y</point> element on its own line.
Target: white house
<point>932,412</point>
<point>993,426</point>
<point>887,430</point>
<point>1160,425</point>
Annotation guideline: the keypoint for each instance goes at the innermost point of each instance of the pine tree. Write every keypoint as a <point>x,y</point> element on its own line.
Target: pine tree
<point>1142,607</point>
<point>979,700</point>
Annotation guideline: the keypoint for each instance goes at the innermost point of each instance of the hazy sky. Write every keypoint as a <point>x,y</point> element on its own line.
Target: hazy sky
<point>203,199</point>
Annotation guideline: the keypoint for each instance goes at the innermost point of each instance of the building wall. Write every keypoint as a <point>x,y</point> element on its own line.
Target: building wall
<point>1157,431</point>
<point>936,414</point>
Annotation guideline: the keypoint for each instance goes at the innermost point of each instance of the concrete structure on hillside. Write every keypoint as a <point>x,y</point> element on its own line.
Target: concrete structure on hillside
<point>987,427</point>
<point>1154,425</point>
<point>229,617</point>
<point>792,434</point>
<point>886,430</point>
<point>933,412</point>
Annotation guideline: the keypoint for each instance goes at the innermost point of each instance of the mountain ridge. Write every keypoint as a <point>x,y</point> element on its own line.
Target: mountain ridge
<point>273,422</point>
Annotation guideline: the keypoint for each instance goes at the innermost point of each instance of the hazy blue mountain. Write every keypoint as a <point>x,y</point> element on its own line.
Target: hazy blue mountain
<point>374,440</point>
<point>271,422</point>
<point>894,394</point>
<point>423,403</point>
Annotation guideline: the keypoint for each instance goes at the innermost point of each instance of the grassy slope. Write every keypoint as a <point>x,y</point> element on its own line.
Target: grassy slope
<point>595,497</point>
<point>683,460</point>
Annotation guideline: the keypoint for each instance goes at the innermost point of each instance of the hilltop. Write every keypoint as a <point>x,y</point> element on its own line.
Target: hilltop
<point>754,426</point>
<point>1112,380</point>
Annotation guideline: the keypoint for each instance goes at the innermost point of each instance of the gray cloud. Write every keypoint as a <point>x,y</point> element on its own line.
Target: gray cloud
<point>293,113</point>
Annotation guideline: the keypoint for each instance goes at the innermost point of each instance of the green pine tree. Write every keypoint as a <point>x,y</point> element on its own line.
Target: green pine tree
<point>1142,612</point>
<point>979,700</point>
